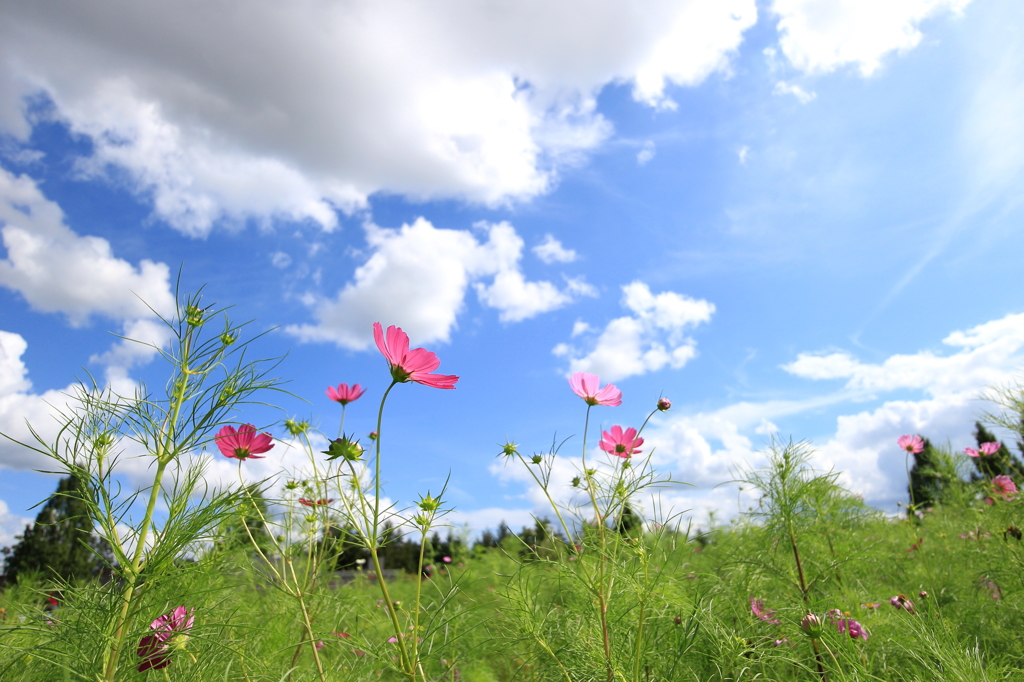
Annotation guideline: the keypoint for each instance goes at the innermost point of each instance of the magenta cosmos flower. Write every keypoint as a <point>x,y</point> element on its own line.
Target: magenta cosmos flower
<point>987,449</point>
<point>1004,485</point>
<point>413,365</point>
<point>912,444</point>
<point>343,394</point>
<point>244,443</point>
<point>586,386</point>
<point>621,443</point>
<point>169,631</point>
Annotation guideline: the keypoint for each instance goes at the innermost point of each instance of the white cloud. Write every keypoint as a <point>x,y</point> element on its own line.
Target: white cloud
<point>19,407</point>
<point>986,354</point>
<point>59,271</point>
<point>803,96</point>
<point>819,36</point>
<point>651,338</point>
<point>138,345</point>
<point>551,251</point>
<point>260,110</point>
<point>743,154</point>
<point>10,525</point>
<point>645,154</point>
<point>417,276</point>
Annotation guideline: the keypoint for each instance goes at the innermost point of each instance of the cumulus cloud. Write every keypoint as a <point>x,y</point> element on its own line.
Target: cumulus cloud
<point>819,36</point>
<point>803,96</point>
<point>10,525</point>
<point>551,251</point>
<point>57,270</point>
<point>417,276</point>
<point>645,154</point>
<point>205,107</point>
<point>984,355</point>
<point>19,407</point>
<point>652,337</point>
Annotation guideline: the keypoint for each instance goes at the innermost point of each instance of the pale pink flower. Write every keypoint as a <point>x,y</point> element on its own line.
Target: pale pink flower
<point>344,394</point>
<point>586,386</point>
<point>413,365</point>
<point>912,444</point>
<point>1004,486</point>
<point>244,443</point>
<point>621,443</point>
<point>989,448</point>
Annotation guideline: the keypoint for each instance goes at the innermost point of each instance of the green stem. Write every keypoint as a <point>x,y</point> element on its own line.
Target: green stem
<point>376,465</point>
<point>124,617</point>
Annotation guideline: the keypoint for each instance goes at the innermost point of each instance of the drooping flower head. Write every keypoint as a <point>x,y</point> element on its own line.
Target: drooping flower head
<point>413,365</point>
<point>586,386</point>
<point>900,601</point>
<point>343,394</point>
<point>244,443</point>
<point>757,608</point>
<point>851,626</point>
<point>912,444</point>
<point>170,631</point>
<point>621,443</point>
<point>1004,485</point>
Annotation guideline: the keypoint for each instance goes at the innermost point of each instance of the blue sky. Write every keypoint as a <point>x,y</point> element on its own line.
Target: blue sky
<point>797,217</point>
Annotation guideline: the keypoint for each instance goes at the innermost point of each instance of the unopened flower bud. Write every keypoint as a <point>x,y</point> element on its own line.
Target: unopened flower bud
<point>509,449</point>
<point>664,404</point>
<point>536,459</point>
<point>344,448</point>
<point>811,624</point>
<point>373,435</point>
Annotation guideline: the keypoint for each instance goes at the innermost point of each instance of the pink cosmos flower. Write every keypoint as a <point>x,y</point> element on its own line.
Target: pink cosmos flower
<point>912,444</point>
<point>243,443</point>
<point>855,629</point>
<point>586,386</point>
<point>621,443</point>
<point>1004,486</point>
<point>413,365</point>
<point>169,630</point>
<point>343,394</point>
<point>983,449</point>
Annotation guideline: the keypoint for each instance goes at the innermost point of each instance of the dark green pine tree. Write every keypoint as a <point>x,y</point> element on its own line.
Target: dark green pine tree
<point>1003,462</point>
<point>629,524</point>
<point>247,515</point>
<point>926,484</point>
<point>61,541</point>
